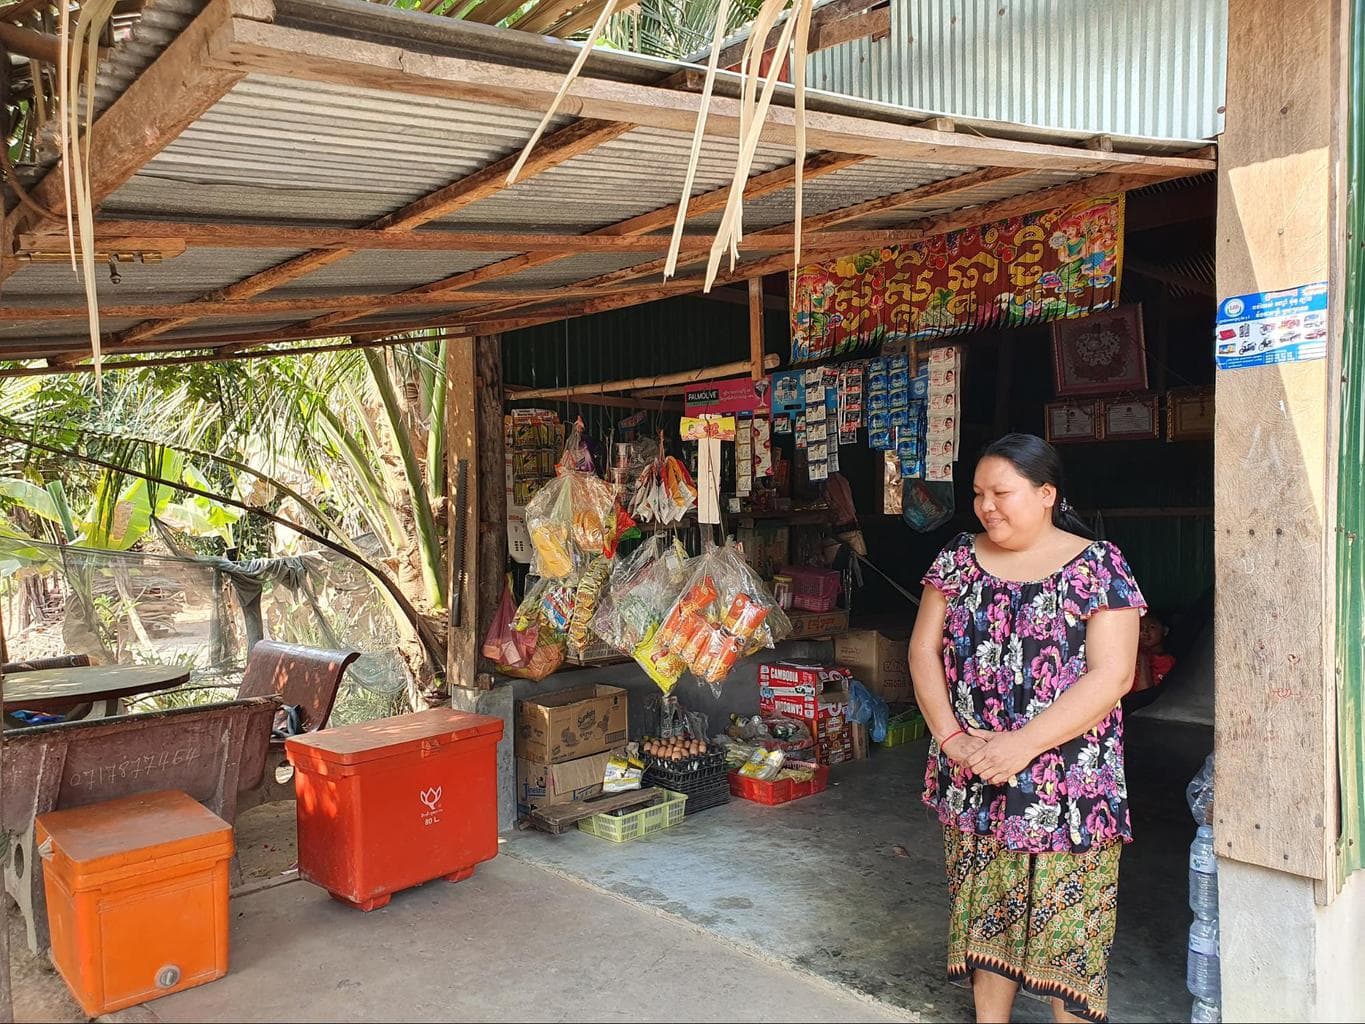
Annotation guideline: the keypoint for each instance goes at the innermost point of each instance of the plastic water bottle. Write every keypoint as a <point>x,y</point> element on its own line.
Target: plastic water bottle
<point>1202,970</point>
<point>1204,1012</point>
<point>1203,876</point>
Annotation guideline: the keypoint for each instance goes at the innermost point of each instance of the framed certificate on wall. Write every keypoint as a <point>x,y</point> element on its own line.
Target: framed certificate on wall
<point>1072,421</point>
<point>1189,414</point>
<point>1100,354</point>
<point>1133,418</point>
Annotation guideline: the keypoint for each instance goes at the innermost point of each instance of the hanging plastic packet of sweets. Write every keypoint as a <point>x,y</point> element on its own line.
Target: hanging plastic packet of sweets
<point>695,641</point>
<point>662,666</point>
<point>722,651</point>
<point>744,617</point>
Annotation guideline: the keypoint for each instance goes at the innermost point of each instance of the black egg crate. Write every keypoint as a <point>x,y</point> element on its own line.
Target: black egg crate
<point>706,786</point>
<point>685,770</point>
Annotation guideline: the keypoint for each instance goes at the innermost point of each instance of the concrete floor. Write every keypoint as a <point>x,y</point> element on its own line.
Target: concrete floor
<point>511,943</point>
<point>849,886</point>
<point>830,908</point>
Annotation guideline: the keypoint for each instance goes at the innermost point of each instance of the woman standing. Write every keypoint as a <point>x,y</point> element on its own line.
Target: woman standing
<point>1024,644</point>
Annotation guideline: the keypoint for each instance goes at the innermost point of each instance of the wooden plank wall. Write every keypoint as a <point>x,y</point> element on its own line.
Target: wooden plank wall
<point>1278,219</point>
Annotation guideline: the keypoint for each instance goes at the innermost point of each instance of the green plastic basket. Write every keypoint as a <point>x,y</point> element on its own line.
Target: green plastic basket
<point>637,824</point>
<point>905,729</point>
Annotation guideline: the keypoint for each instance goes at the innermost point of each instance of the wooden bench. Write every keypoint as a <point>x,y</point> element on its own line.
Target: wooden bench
<point>212,752</point>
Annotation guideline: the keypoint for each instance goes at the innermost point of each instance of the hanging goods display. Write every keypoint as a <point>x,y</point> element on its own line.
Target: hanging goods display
<point>665,492</point>
<point>638,594</point>
<point>572,519</point>
<point>1050,265</point>
<point>723,612</point>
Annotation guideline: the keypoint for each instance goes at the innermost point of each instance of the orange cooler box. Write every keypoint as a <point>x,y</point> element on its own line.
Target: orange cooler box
<point>137,897</point>
<point>393,803</point>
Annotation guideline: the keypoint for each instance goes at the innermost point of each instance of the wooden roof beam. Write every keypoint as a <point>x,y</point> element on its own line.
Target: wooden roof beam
<point>565,144</point>
<point>709,202</point>
<point>176,236</point>
<point>298,53</point>
<point>160,103</point>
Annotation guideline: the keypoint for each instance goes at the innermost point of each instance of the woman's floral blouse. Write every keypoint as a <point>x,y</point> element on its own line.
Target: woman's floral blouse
<point>1009,649</point>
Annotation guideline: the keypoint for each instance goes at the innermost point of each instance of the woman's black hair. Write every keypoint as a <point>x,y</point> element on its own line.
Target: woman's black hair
<point>1039,462</point>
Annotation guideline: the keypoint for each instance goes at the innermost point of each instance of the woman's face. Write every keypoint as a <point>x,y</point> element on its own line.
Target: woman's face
<point>1010,507</point>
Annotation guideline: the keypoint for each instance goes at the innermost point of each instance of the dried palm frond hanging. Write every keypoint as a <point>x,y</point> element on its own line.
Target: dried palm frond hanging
<point>793,41</point>
<point>77,65</point>
<point>753,114</point>
<point>593,34</point>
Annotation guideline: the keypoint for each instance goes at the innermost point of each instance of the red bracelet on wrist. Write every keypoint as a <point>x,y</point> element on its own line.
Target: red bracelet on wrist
<point>951,736</point>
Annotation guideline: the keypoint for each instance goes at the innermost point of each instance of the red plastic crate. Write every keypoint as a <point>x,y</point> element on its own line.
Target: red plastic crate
<point>813,590</point>
<point>779,791</point>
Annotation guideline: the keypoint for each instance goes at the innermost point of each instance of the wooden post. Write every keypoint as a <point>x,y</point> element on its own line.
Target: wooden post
<point>1280,218</point>
<point>491,510</point>
<point>474,433</point>
<point>756,327</point>
<point>462,445</point>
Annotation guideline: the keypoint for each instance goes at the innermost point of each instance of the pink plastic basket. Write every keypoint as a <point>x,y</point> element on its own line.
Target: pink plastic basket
<point>813,590</point>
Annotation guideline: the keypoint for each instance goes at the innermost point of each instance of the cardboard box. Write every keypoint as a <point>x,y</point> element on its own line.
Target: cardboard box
<point>826,717</point>
<point>767,547</point>
<point>571,723</point>
<point>811,624</point>
<point>878,661</point>
<point>804,677</point>
<point>541,785</point>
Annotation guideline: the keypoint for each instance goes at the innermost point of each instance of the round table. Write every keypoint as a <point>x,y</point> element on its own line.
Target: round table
<point>100,687</point>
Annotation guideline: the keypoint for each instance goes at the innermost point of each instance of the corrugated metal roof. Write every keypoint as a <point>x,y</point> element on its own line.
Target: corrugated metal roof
<point>641,171</point>
<point>181,279</point>
<point>298,135</point>
<point>1125,67</point>
<point>378,270</point>
<point>280,151</point>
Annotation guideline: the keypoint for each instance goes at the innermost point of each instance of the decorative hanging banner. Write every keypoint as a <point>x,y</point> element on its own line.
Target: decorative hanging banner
<point>1044,266</point>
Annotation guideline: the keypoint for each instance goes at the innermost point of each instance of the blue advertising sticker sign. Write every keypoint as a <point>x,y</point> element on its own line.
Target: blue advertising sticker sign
<point>1264,328</point>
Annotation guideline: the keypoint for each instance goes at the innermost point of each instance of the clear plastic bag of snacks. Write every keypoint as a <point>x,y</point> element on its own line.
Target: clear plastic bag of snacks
<point>591,584</point>
<point>576,455</point>
<point>572,519</point>
<point>639,592</point>
<point>722,613</point>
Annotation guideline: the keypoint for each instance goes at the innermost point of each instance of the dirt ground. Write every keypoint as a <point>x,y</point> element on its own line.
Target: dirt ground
<point>266,847</point>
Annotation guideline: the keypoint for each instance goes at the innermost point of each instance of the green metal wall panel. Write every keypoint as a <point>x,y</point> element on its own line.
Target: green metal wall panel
<point>1350,568</point>
<point>668,336</point>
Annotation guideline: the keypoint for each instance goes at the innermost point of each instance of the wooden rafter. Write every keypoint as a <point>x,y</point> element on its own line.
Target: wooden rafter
<point>260,45</point>
<point>759,185</point>
<point>151,113</point>
<point>884,204</point>
<point>563,145</point>
<point>152,236</point>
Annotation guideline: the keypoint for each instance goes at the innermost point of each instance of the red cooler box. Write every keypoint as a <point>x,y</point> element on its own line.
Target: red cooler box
<point>393,803</point>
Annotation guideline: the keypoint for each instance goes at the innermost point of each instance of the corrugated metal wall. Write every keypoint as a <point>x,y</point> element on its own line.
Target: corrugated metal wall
<point>1121,67</point>
<point>661,337</point>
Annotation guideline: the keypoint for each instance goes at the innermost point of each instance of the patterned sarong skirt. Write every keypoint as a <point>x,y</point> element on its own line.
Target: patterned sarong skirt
<point>1044,920</point>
